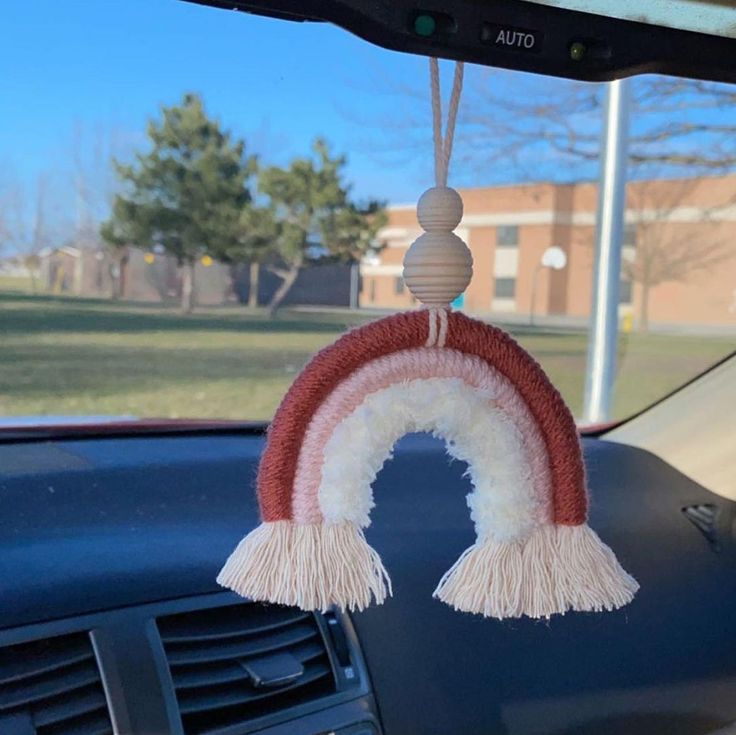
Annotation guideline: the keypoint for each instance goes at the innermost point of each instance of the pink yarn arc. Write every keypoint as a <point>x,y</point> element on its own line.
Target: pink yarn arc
<point>404,365</point>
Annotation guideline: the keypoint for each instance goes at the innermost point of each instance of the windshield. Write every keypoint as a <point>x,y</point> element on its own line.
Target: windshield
<point>193,201</point>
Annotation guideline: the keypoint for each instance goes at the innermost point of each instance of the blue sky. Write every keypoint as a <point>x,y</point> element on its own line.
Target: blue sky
<point>103,67</point>
<point>109,64</point>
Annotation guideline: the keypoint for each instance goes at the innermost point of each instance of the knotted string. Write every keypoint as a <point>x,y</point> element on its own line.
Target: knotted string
<point>443,146</point>
<point>437,327</point>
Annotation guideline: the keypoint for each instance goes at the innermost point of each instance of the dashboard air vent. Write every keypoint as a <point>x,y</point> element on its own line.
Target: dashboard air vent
<point>52,687</point>
<point>236,663</point>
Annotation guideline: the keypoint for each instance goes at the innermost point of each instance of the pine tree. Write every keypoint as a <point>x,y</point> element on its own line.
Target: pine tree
<point>186,194</point>
<point>314,216</point>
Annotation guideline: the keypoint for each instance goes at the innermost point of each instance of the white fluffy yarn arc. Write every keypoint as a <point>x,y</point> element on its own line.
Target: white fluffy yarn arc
<point>503,501</point>
<point>438,266</point>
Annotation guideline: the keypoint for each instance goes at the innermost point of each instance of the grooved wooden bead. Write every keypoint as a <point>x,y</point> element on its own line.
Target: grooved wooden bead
<point>440,209</point>
<point>438,268</point>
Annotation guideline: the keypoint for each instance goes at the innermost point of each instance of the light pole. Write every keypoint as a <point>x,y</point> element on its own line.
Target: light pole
<point>603,331</point>
<point>354,284</point>
<point>554,258</point>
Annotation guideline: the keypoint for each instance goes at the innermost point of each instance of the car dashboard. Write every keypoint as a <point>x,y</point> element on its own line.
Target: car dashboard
<point>112,621</point>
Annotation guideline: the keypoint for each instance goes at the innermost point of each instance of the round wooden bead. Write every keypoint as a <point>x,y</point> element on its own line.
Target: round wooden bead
<point>440,209</point>
<point>437,268</point>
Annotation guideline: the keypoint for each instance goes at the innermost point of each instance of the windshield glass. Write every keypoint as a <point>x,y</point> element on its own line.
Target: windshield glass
<point>194,201</point>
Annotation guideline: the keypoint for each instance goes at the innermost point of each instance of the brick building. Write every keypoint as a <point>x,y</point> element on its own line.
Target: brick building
<point>679,251</point>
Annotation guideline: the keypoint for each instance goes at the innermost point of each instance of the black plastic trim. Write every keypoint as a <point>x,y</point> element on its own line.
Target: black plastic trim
<point>619,48</point>
<point>132,429</point>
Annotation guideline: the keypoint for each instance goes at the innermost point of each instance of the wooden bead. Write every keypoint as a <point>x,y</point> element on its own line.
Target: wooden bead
<point>439,209</point>
<point>438,266</point>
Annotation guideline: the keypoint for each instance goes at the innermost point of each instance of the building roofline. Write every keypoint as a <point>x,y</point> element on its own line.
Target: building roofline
<point>67,249</point>
<point>580,182</point>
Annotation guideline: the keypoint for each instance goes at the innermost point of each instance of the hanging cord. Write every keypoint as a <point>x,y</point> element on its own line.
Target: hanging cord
<point>442,154</point>
<point>437,327</point>
<point>443,146</point>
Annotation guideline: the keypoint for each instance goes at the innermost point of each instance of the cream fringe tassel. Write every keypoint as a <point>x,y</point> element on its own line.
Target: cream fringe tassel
<point>557,568</point>
<point>313,567</point>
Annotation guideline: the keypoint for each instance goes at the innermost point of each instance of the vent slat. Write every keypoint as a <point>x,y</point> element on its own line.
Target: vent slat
<point>54,683</point>
<point>237,649</point>
<point>89,724</point>
<point>232,671</point>
<point>206,649</point>
<point>20,695</point>
<point>205,702</point>
<point>37,659</point>
<point>231,618</point>
<point>70,707</point>
<point>193,635</point>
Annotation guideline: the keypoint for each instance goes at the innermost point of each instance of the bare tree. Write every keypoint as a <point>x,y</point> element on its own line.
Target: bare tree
<point>517,127</point>
<point>685,126</point>
<point>40,227</point>
<point>92,149</point>
<point>25,221</point>
<point>12,230</point>
<point>665,249</point>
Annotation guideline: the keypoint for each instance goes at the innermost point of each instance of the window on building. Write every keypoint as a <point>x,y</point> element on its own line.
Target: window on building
<point>507,236</point>
<point>398,285</point>
<point>625,291</point>
<point>630,235</point>
<point>372,290</point>
<point>505,288</point>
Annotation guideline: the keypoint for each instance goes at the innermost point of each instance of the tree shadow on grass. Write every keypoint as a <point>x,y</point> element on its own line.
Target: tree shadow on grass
<point>31,371</point>
<point>28,315</point>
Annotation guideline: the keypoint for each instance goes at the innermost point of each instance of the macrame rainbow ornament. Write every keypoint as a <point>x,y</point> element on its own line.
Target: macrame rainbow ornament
<point>465,381</point>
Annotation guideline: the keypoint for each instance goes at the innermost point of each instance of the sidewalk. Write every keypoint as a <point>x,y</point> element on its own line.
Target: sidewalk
<point>552,322</point>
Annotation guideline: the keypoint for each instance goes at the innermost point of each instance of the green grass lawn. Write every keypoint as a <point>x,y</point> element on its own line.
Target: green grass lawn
<point>21,284</point>
<point>82,356</point>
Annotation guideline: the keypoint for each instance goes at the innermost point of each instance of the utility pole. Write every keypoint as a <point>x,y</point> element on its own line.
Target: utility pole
<point>603,330</point>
